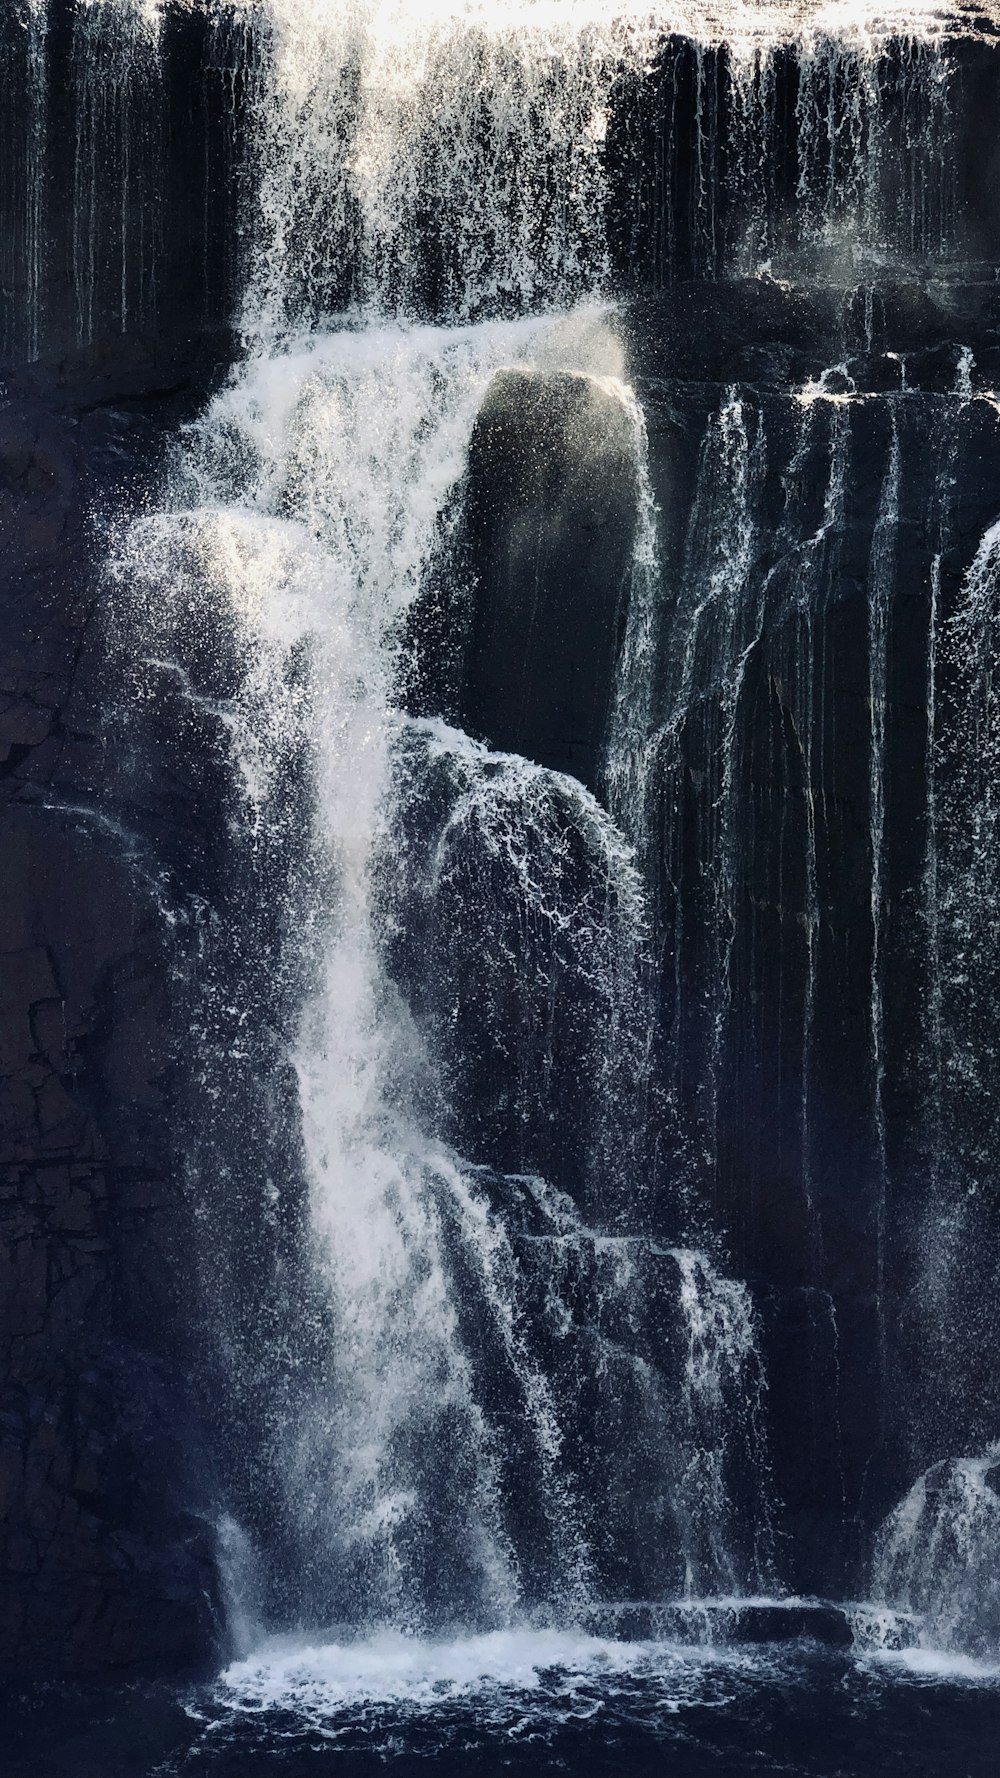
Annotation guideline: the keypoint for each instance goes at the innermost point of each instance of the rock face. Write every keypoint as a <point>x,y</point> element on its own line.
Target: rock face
<point>793,812</point>
<point>549,533</point>
<point>816,525</point>
<point>106,1554</point>
<point>119,201</point>
<point>517,634</point>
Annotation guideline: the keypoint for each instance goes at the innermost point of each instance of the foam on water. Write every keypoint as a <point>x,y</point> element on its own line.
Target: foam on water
<point>319,1680</point>
<point>530,1674</point>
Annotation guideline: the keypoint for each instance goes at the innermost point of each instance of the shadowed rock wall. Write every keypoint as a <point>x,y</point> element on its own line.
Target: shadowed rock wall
<point>790,782</point>
<point>106,1557</point>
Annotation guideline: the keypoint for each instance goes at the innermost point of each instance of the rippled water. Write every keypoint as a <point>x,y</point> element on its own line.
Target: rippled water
<point>538,1701</point>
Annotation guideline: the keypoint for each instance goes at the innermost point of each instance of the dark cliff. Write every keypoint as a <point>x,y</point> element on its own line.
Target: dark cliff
<point>759,809</point>
<point>104,1553</point>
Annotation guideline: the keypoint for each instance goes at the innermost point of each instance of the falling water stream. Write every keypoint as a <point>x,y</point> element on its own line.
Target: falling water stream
<point>488,1349</point>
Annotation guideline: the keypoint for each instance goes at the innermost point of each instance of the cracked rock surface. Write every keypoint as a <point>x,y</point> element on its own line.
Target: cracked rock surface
<point>106,1556</point>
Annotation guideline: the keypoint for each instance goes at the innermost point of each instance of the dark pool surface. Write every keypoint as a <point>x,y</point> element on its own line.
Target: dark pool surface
<point>531,1702</point>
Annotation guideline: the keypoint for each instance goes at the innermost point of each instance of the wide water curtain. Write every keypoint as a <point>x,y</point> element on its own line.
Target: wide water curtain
<point>536,577</point>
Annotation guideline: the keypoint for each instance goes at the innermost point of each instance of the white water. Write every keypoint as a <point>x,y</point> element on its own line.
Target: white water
<point>428,1674</point>
<point>938,1558</point>
<point>724,1387</point>
<point>483,1338</point>
<point>356,440</point>
<point>522,1679</point>
<point>503,110</point>
<point>316,487</point>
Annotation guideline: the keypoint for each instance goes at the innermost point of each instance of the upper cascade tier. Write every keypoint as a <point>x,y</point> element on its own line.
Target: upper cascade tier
<point>744,24</point>
<point>261,164</point>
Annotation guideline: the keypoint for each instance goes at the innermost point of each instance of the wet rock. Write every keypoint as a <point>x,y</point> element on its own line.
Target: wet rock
<point>527,640</point>
<point>104,1561</point>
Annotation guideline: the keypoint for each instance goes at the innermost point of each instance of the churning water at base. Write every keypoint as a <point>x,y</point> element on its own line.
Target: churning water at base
<point>537,1703</point>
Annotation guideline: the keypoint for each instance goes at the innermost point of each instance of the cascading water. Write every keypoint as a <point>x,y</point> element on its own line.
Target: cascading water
<point>321,481</point>
<point>318,491</point>
<point>510,115</point>
<point>452,1391</point>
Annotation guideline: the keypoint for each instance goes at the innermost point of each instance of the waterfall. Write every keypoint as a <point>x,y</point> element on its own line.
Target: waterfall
<point>346,448</point>
<point>938,1557</point>
<point>522,120</point>
<point>724,1388</point>
<point>354,442</point>
<point>500,112</point>
<point>521,1024</point>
